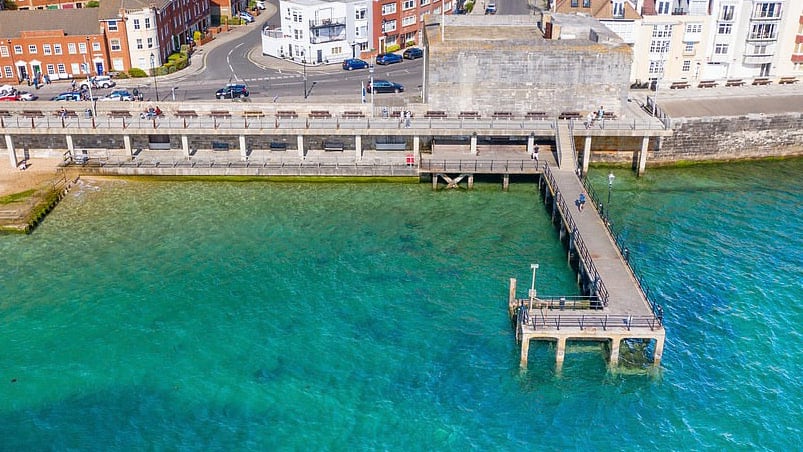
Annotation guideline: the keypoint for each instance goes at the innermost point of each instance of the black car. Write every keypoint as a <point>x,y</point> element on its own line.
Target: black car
<point>412,53</point>
<point>232,91</point>
<point>384,86</point>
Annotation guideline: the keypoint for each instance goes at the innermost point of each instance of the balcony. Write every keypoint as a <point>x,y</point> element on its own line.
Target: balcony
<point>327,22</point>
<point>757,59</point>
<point>759,18</point>
<point>762,37</point>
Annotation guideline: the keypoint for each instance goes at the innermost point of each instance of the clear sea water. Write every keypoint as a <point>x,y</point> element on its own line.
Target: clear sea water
<point>291,316</point>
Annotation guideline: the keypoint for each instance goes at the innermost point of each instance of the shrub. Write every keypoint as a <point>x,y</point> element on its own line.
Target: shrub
<point>410,43</point>
<point>197,36</point>
<point>392,48</point>
<point>121,75</point>
<point>137,72</point>
<point>92,4</point>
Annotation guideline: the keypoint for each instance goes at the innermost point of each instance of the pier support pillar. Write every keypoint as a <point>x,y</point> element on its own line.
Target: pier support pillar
<point>530,144</point>
<point>560,353</point>
<point>12,153</point>
<point>659,351</point>
<point>642,156</point>
<point>435,181</point>
<point>525,352</point>
<point>614,359</point>
<point>358,147</point>
<point>505,182</point>
<point>474,144</point>
<point>416,144</point>
<point>243,148</point>
<point>470,181</point>
<point>70,145</point>
<point>300,141</point>
<point>586,154</point>
<point>185,145</point>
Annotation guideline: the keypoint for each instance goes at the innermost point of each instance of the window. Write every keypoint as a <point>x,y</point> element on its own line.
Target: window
<point>360,14</point>
<point>574,3</point>
<point>388,8</point>
<point>150,43</point>
<point>408,4</point>
<point>760,49</point>
<point>17,49</point>
<point>115,45</point>
<point>389,26</point>
<point>618,9</point>
<point>767,11</point>
<point>57,49</point>
<point>763,31</point>
<point>46,49</point>
<point>74,68</point>
<point>297,16</point>
<point>139,43</point>
<point>112,25</point>
<point>424,3</point>
<point>71,48</point>
<point>721,49</point>
<point>147,23</point>
<point>96,47</point>
<point>688,47</point>
<point>81,47</point>
<point>662,31</point>
<point>298,34</point>
<point>8,71</point>
<point>51,69</point>
<point>727,12</point>
<point>337,50</point>
<point>32,49</point>
<point>117,64</point>
<point>694,28</point>
<point>62,68</point>
<point>407,21</point>
<point>663,7</point>
<point>725,28</point>
<point>656,67</point>
<point>686,66</point>
<point>136,24</point>
<point>3,51</point>
<point>586,3</point>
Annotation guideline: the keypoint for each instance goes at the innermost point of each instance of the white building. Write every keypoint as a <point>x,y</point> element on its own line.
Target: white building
<point>319,31</point>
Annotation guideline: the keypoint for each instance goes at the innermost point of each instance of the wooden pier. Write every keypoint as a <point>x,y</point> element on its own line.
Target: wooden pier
<point>613,306</point>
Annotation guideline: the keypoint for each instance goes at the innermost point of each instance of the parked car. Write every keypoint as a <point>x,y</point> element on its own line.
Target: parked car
<point>384,86</point>
<point>232,91</point>
<point>100,81</point>
<point>119,94</point>
<point>388,58</point>
<point>9,97</point>
<point>412,53</point>
<point>260,5</point>
<point>26,96</point>
<point>354,63</point>
<point>68,97</point>
<point>247,17</point>
<point>491,8</point>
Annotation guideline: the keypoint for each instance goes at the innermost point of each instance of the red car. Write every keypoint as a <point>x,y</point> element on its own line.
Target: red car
<point>9,97</point>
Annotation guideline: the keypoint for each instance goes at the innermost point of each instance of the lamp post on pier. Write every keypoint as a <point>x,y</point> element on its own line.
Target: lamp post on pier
<point>14,62</point>
<point>153,74</point>
<point>611,177</point>
<point>532,287</point>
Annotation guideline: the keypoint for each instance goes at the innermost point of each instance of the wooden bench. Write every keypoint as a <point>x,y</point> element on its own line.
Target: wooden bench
<point>253,114</point>
<point>535,115</point>
<point>570,115</point>
<point>734,82</point>
<point>502,115</point>
<point>119,114</point>
<point>32,114</point>
<point>278,146</point>
<point>438,114</point>
<point>679,85</point>
<point>67,113</point>
<point>761,81</point>
<point>608,115</point>
<point>333,145</point>
<point>787,80</point>
<point>219,114</point>
<point>286,114</point>
<point>353,114</point>
<point>185,114</point>
<point>319,114</point>
<point>5,113</point>
<point>468,115</point>
<point>220,146</point>
<point>707,84</point>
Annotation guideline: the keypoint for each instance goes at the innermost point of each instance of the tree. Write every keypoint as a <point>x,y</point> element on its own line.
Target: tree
<point>9,4</point>
<point>92,4</point>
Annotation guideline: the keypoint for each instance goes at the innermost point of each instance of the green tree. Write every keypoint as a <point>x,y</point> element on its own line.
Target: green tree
<point>92,4</point>
<point>9,4</point>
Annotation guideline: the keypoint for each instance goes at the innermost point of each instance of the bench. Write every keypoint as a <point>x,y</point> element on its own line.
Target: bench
<point>319,114</point>
<point>787,80</point>
<point>278,146</point>
<point>286,114</point>
<point>333,145</point>
<point>253,114</point>
<point>735,82</point>
<point>707,84</point>
<point>608,115</point>
<point>679,85</point>
<point>5,113</point>
<point>219,114</point>
<point>535,115</point>
<point>761,81</point>
<point>119,114</point>
<point>186,114</point>
<point>502,115</point>
<point>435,114</point>
<point>67,113</point>
<point>353,114</point>
<point>570,115</point>
<point>32,114</point>
<point>468,115</point>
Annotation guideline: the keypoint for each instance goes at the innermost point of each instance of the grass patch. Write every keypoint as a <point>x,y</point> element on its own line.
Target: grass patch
<point>16,197</point>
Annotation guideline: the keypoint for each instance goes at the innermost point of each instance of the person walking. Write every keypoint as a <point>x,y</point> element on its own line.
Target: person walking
<point>581,202</point>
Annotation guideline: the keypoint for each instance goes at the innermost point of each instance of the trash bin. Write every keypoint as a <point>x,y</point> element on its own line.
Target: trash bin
<point>88,113</point>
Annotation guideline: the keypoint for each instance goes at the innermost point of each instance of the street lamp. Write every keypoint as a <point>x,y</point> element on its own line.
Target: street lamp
<point>89,82</point>
<point>14,61</point>
<point>532,287</point>
<point>354,49</point>
<point>611,177</point>
<point>371,84</point>
<point>153,74</point>
<point>304,66</point>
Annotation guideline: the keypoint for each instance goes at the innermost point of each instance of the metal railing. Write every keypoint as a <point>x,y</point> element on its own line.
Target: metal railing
<point>562,302</point>
<point>545,320</point>
<point>479,166</point>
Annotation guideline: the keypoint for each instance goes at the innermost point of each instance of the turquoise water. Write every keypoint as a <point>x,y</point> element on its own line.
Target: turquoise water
<point>234,316</point>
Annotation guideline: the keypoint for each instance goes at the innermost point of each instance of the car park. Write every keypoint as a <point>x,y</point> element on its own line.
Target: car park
<point>100,81</point>
<point>388,58</point>
<point>412,53</point>
<point>354,63</point>
<point>232,91</point>
<point>119,94</point>
<point>384,86</point>
<point>67,97</point>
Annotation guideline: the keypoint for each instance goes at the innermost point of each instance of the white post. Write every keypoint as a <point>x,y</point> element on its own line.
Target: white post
<point>642,158</point>
<point>300,141</point>
<point>127,144</point>
<point>243,148</point>
<point>474,144</point>
<point>185,145</point>
<point>12,154</point>
<point>586,154</point>
<point>358,147</point>
<point>532,287</point>
<point>70,146</point>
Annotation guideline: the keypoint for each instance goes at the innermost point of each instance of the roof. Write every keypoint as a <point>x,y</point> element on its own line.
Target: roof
<point>600,9</point>
<point>110,9</point>
<point>78,21</point>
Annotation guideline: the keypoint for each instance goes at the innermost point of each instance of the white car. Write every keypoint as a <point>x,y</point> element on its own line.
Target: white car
<point>101,81</point>
<point>260,5</point>
<point>26,96</point>
<point>119,94</point>
<point>245,16</point>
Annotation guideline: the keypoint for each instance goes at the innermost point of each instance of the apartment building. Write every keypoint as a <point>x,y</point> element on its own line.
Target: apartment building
<point>50,4</point>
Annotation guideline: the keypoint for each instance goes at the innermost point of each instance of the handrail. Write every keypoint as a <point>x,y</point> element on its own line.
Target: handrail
<point>543,320</point>
<point>477,165</point>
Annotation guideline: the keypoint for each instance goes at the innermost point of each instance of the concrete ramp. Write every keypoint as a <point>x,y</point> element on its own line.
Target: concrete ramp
<point>565,147</point>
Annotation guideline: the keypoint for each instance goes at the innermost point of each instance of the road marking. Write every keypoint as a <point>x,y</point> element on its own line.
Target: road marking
<point>228,61</point>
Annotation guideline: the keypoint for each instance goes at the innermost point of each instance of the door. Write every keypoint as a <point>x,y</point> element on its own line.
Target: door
<point>765,69</point>
<point>23,72</point>
<point>320,56</point>
<point>99,67</point>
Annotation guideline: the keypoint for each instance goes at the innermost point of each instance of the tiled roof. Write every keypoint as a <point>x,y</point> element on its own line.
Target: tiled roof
<point>110,9</point>
<point>600,9</point>
<point>78,21</point>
